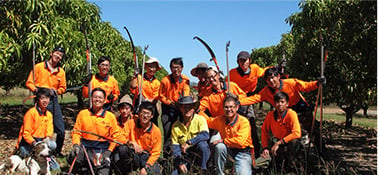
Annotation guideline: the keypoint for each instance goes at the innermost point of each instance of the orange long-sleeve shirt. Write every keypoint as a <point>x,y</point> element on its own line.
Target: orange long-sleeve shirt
<point>150,88</point>
<point>285,127</point>
<point>149,139</point>
<point>36,125</point>
<point>109,84</point>
<point>170,90</point>
<point>247,82</point>
<point>235,134</point>
<point>291,87</point>
<point>44,77</point>
<point>104,125</point>
<point>214,102</point>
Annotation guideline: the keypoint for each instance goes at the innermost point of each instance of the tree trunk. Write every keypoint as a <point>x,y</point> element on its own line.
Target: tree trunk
<point>365,108</point>
<point>261,105</point>
<point>80,100</point>
<point>349,119</point>
<point>349,110</point>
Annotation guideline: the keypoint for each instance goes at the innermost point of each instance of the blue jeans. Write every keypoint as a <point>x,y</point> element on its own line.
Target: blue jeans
<point>26,149</point>
<point>54,108</point>
<point>200,149</point>
<point>243,160</point>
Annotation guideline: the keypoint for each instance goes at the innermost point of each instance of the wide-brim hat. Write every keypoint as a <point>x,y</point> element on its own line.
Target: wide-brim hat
<point>188,100</point>
<point>126,99</point>
<point>153,60</point>
<point>199,66</point>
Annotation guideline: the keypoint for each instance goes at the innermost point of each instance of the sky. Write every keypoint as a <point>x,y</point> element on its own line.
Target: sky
<point>168,27</point>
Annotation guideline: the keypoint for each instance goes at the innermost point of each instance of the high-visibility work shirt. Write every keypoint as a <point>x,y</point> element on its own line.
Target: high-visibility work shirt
<point>291,87</point>
<point>285,126</point>
<point>170,90</point>
<point>235,134</point>
<point>150,88</point>
<point>104,125</point>
<point>109,84</point>
<point>46,78</point>
<point>247,82</point>
<point>214,103</point>
<point>36,125</point>
<point>148,139</point>
<point>181,133</point>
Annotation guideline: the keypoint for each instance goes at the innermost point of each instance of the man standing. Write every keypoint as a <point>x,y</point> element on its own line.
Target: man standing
<point>89,134</point>
<point>236,140</point>
<point>189,137</point>
<point>49,75</point>
<point>150,85</point>
<point>172,87</point>
<point>142,143</point>
<point>203,85</point>
<point>104,81</point>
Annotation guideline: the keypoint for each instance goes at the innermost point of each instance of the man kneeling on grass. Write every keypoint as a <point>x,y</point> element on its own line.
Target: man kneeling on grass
<point>236,140</point>
<point>142,140</point>
<point>189,137</point>
<point>284,125</point>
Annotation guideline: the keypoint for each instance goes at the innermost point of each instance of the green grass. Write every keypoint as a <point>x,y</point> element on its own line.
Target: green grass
<point>361,121</point>
<point>17,95</point>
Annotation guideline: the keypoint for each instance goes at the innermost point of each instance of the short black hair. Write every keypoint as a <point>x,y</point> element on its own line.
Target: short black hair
<point>149,106</point>
<point>102,59</point>
<point>281,95</point>
<point>98,89</point>
<point>177,60</point>
<point>271,72</point>
<point>59,49</point>
<point>42,91</point>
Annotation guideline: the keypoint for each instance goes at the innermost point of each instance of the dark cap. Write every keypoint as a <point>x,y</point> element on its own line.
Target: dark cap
<point>243,55</point>
<point>59,49</point>
<point>199,66</point>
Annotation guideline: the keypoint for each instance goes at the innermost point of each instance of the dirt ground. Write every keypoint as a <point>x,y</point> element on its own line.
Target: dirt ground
<point>350,151</point>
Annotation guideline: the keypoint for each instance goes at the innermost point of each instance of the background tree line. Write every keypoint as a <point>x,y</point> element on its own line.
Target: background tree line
<point>346,28</point>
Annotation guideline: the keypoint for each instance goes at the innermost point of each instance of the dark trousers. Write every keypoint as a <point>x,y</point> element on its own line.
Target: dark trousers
<point>54,108</point>
<point>168,117</point>
<point>129,161</point>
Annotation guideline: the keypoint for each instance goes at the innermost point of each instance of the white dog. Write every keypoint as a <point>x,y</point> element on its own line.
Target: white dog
<point>35,164</point>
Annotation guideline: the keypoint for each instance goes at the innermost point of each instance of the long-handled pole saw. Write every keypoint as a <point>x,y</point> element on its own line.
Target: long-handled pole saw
<point>213,58</point>
<point>89,64</point>
<point>136,65</point>
<point>228,69</point>
<point>141,82</point>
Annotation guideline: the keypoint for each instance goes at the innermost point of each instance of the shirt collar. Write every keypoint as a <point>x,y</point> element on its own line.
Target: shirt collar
<point>232,123</point>
<point>48,68</point>
<point>275,90</point>
<point>98,76</point>
<point>149,79</point>
<point>173,79</point>
<point>94,114</point>
<point>276,115</point>
<point>40,111</point>
<point>242,73</point>
<point>148,129</point>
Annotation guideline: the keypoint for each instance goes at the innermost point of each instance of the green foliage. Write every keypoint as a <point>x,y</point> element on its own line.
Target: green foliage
<point>46,24</point>
<point>348,29</point>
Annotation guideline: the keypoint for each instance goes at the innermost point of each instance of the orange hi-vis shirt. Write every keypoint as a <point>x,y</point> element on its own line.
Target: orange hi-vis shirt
<point>214,103</point>
<point>109,84</point>
<point>204,90</point>
<point>44,77</point>
<point>247,82</point>
<point>149,139</point>
<point>150,88</point>
<point>36,125</point>
<point>104,125</point>
<point>170,90</point>
<point>235,134</point>
<point>285,127</point>
<point>291,87</point>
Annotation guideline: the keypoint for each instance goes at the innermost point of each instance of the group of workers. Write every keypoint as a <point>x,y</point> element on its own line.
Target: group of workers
<point>217,123</point>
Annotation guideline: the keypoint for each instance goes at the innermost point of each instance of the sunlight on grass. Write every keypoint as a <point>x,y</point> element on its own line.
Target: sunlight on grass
<point>17,95</point>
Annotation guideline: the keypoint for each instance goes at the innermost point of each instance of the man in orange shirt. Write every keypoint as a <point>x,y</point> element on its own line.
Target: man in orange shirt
<point>151,85</point>
<point>203,85</point>
<point>283,124</point>
<point>104,81</point>
<point>236,140</point>
<point>91,131</point>
<point>172,87</point>
<point>142,143</point>
<point>50,75</point>
<point>125,108</point>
